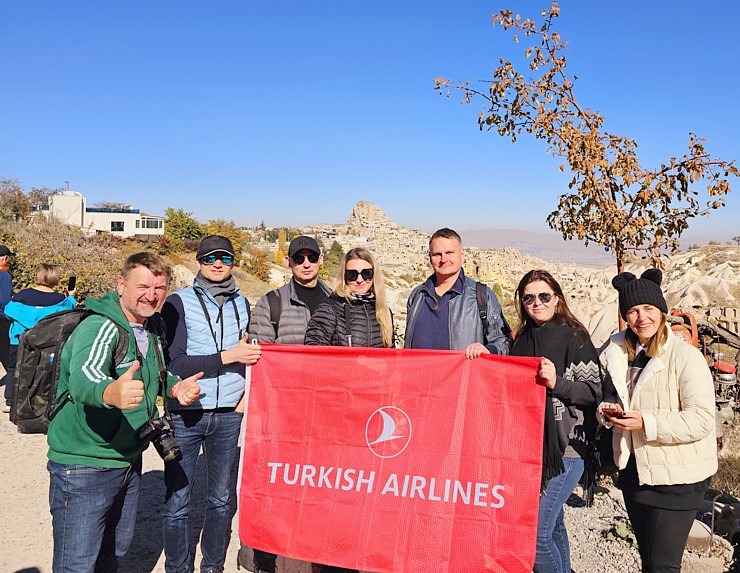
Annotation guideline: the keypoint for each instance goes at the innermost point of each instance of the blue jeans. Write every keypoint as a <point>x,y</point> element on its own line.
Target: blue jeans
<point>218,434</point>
<point>553,549</point>
<point>93,514</point>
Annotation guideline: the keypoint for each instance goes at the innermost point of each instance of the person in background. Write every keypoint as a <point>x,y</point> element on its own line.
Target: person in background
<point>659,398</point>
<point>570,369</point>
<point>207,327</point>
<point>295,303</point>
<point>443,312</point>
<point>356,314</point>
<point>30,305</point>
<point>6,292</point>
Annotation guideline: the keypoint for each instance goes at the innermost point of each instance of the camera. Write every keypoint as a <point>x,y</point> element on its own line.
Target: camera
<point>162,436</point>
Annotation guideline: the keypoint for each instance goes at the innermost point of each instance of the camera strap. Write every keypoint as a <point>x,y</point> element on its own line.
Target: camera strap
<point>162,372</point>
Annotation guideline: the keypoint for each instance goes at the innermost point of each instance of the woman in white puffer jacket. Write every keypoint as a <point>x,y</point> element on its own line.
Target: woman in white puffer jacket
<point>659,397</point>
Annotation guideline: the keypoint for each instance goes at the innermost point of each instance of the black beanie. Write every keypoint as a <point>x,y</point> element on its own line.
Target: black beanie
<point>634,291</point>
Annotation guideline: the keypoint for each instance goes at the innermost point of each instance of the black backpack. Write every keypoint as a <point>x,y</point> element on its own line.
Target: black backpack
<point>35,401</point>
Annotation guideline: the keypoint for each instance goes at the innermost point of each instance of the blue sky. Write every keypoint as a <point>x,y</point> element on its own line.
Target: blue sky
<point>292,111</point>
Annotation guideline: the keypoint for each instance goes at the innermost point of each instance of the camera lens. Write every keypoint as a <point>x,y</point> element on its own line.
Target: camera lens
<point>167,446</point>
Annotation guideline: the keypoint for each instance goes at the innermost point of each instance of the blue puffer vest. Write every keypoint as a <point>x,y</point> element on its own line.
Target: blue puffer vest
<point>228,323</point>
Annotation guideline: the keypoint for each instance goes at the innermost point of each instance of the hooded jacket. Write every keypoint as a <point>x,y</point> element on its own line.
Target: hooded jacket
<point>24,316</point>
<point>675,395</point>
<point>86,431</point>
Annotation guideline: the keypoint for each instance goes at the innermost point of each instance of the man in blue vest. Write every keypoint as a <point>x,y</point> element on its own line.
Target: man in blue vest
<point>207,326</point>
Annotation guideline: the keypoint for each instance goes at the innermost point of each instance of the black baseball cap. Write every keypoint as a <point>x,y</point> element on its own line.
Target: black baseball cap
<point>303,242</point>
<point>215,244</point>
<point>6,251</point>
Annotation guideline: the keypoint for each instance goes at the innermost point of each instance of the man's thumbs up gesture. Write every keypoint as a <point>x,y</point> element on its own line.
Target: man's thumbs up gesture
<point>125,393</point>
<point>187,391</point>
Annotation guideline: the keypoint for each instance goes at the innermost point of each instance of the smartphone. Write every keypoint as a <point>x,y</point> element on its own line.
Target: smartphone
<point>613,413</point>
<point>72,283</point>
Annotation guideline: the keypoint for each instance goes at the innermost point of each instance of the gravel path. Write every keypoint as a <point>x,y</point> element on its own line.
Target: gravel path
<point>25,524</point>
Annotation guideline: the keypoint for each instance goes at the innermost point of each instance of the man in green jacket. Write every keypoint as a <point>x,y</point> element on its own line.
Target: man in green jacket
<point>94,441</point>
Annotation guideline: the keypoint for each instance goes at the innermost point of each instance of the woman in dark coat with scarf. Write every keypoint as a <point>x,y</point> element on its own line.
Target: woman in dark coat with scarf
<point>355,314</point>
<point>570,370</point>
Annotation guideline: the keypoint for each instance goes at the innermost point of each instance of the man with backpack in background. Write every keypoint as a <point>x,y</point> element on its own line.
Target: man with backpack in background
<point>6,292</point>
<point>207,327</point>
<point>106,416</point>
<point>450,311</point>
<point>282,316</point>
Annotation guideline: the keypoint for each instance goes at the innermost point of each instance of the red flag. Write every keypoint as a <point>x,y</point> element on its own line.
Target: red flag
<point>393,460</point>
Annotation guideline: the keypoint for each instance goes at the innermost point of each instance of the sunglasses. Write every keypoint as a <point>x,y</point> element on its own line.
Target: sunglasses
<point>298,259</point>
<point>210,259</point>
<point>544,297</point>
<point>351,275</point>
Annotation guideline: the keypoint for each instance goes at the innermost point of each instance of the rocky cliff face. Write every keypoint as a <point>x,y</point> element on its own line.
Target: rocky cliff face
<point>705,281</point>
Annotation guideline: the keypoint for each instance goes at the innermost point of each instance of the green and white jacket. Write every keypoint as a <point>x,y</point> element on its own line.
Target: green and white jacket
<point>86,431</point>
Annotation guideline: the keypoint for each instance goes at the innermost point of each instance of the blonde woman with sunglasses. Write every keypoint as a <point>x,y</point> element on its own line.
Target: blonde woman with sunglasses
<point>356,313</point>
<point>569,367</point>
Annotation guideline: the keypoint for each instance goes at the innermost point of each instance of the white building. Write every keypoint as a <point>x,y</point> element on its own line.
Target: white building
<point>70,208</point>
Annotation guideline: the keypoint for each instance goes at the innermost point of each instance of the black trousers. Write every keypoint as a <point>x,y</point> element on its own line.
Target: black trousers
<point>9,377</point>
<point>661,534</point>
<point>4,341</point>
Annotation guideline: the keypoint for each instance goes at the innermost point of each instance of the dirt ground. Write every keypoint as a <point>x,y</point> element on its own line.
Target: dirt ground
<point>25,522</point>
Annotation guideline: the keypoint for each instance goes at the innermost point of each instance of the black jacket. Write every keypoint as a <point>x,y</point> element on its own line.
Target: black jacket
<point>328,325</point>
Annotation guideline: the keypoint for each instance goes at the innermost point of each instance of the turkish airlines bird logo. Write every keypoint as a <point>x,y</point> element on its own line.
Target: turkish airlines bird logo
<point>388,431</point>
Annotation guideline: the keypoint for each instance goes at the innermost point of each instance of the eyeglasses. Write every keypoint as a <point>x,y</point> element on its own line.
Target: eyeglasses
<point>210,259</point>
<point>298,259</point>
<point>351,275</point>
<point>544,297</point>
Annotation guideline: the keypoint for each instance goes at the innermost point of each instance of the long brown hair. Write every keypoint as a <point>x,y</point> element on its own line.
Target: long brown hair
<point>561,309</point>
<point>382,311</point>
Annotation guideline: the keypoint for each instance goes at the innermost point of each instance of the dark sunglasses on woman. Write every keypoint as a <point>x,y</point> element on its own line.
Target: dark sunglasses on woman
<point>544,297</point>
<point>350,275</point>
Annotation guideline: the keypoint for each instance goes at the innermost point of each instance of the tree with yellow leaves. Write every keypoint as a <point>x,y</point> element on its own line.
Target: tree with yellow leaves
<point>613,201</point>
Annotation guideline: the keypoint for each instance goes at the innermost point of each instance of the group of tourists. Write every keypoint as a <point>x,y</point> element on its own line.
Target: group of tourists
<point>654,392</point>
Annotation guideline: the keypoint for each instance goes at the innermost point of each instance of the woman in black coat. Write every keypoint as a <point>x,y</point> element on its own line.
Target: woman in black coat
<point>569,368</point>
<point>356,313</point>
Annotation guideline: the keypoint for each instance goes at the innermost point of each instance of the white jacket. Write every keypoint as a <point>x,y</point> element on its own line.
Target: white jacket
<point>675,395</point>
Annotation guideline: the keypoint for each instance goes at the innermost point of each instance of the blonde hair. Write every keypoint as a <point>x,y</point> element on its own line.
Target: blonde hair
<point>659,339</point>
<point>47,275</point>
<point>382,312</point>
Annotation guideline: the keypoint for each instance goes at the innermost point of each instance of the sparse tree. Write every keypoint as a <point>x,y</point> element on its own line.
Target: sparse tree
<point>737,240</point>
<point>14,203</point>
<point>229,230</point>
<point>331,261</point>
<point>257,263</point>
<point>614,201</point>
<point>39,196</point>
<point>281,252</point>
<point>180,226</point>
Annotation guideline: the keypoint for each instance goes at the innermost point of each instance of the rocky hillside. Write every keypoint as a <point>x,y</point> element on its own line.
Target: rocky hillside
<point>705,281</point>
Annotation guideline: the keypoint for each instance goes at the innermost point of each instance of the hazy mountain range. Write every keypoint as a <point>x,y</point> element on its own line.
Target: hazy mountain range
<point>547,246</point>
